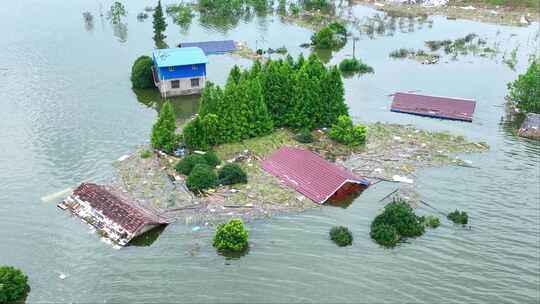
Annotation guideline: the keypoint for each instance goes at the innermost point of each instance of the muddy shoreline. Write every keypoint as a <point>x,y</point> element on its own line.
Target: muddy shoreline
<point>391,151</point>
<point>455,10</point>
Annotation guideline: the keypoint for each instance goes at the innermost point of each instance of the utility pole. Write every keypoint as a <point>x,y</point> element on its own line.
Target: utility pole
<point>354,47</point>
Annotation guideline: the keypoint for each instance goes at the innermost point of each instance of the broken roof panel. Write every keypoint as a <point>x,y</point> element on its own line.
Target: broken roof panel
<point>434,106</point>
<point>130,217</point>
<point>308,173</point>
<point>212,47</point>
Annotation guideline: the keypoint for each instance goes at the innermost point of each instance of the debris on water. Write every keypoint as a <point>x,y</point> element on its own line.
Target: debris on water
<point>402,179</point>
<point>123,157</point>
<point>62,276</point>
<point>195,228</point>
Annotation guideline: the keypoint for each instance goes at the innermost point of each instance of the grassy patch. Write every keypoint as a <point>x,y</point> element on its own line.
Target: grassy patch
<point>260,146</point>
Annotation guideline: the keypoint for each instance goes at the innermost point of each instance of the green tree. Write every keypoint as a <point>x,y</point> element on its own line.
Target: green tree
<point>211,98</point>
<point>13,284</point>
<point>258,122</point>
<point>163,131</point>
<point>141,73</point>
<point>525,91</point>
<point>231,236</point>
<point>234,74</point>
<point>116,12</point>
<point>333,95</point>
<point>277,82</point>
<point>202,177</point>
<point>301,114</point>
<point>159,22</point>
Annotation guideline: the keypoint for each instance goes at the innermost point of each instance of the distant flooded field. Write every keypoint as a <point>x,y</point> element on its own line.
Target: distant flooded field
<point>69,112</point>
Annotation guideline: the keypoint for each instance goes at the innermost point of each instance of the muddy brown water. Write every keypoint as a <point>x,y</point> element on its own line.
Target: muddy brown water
<point>68,111</point>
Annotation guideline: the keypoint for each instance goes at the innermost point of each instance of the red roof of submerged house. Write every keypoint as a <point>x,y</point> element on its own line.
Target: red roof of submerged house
<point>118,209</point>
<point>434,106</point>
<point>309,173</point>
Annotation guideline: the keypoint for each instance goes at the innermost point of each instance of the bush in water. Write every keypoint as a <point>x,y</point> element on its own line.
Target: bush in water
<point>525,91</point>
<point>353,65</point>
<point>400,216</point>
<point>141,73</point>
<point>231,236</point>
<point>342,236</point>
<point>459,217</point>
<point>13,284</point>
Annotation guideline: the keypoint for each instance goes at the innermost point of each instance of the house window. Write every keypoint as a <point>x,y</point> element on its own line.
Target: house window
<point>194,82</point>
<point>175,84</point>
<point>194,67</point>
<point>171,68</point>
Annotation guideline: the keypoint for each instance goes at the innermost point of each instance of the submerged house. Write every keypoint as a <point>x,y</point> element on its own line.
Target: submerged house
<point>313,176</point>
<point>115,216</point>
<point>179,71</point>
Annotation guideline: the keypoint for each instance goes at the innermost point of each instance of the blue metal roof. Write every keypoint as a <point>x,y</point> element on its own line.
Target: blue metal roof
<point>179,56</point>
<point>212,47</point>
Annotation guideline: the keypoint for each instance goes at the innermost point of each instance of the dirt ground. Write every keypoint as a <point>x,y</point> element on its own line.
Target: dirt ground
<point>461,9</point>
<point>392,151</point>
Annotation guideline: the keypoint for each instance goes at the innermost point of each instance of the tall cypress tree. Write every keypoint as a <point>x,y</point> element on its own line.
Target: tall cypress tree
<point>159,23</point>
<point>234,74</point>
<point>259,121</point>
<point>163,131</point>
<point>210,99</point>
<point>277,82</point>
<point>301,115</point>
<point>333,94</point>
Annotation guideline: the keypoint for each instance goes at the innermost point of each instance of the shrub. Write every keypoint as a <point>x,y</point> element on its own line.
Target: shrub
<point>334,35</point>
<point>342,236</point>
<point>431,221</point>
<point>231,236</point>
<point>186,165</point>
<point>525,91</point>
<point>141,73</point>
<point>146,154</point>
<point>400,216</point>
<point>304,137</point>
<point>346,133</point>
<point>459,217</point>
<point>353,65</point>
<point>13,284</point>
<point>232,174</point>
<point>163,131</point>
<point>384,235</point>
<point>211,159</point>
<point>201,177</point>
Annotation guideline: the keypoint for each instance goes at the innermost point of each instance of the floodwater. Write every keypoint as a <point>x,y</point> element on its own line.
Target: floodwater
<point>68,111</point>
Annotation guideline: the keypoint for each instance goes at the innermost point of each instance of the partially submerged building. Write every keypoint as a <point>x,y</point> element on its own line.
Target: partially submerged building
<point>313,176</point>
<point>434,106</point>
<point>179,71</point>
<point>115,216</point>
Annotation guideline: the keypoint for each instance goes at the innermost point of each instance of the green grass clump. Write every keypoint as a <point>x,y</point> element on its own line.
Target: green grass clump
<point>232,174</point>
<point>342,236</point>
<point>146,154</point>
<point>202,177</point>
<point>231,236</point>
<point>431,221</point>
<point>459,217</point>
<point>211,158</point>
<point>353,65</point>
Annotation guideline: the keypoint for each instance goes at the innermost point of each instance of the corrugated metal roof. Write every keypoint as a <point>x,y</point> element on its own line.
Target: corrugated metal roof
<point>434,106</point>
<point>212,47</point>
<point>116,208</point>
<point>179,56</point>
<point>308,173</point>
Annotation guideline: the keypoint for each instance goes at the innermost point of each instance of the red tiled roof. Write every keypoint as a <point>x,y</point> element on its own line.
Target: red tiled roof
<point>308,173</point>
<point>433,106</point>
<point>114,207</point>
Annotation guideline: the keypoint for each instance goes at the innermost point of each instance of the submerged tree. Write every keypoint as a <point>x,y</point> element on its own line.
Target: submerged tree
<point>141,73</point>
<point>116,12</point>
<point>159,23</point>
<point>163,131</point>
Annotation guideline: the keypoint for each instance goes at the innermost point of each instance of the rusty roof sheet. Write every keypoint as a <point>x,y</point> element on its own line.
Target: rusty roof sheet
<point>308,173</point>
<point>434,106</point>
<point>115,207</point>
